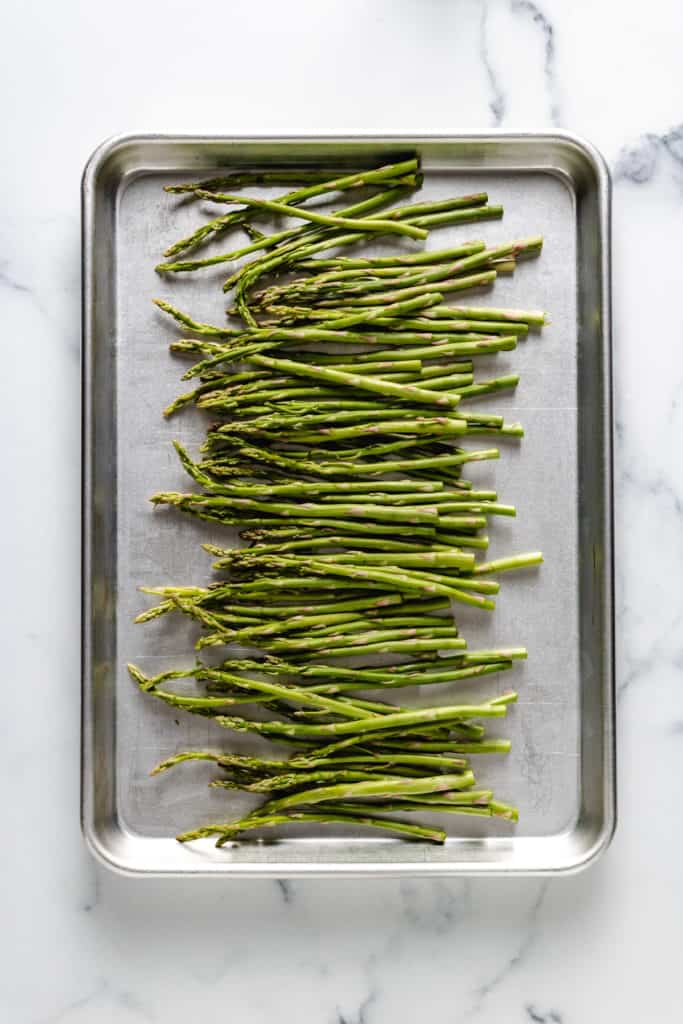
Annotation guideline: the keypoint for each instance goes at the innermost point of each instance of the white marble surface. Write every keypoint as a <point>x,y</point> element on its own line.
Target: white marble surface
<point>80,946</point>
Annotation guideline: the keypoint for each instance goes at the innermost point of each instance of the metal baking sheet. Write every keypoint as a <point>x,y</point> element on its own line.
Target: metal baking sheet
<point>561,769</point>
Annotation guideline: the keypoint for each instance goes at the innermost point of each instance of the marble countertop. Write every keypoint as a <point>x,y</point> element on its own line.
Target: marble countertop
<point>79,945</point>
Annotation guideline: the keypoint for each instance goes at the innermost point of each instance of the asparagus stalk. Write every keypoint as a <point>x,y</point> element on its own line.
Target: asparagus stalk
<point>346,264</point>
<point>453,558</point>
<point>238,179</point>
<point>354,467</point>
<point>273,783</point>
<point>451,746</point>
<point>303,763</point>
<point>343,319</point>
<point>425,679</point>
<point>434,320</point>
<point>406,580</point>
<point>329,220</point>
<point>425,514</point>
<point>228,831</point>
<point>410,645</point>
<point>533,318</point>
<point>441,426</point>
<point>198,328</point>
<point>387,787</point>
<point>436,762</point>
<point>365,727</point>
<point>416,672</point>
<point>300,695</point>
<point>487,386</point>
<point>505,564</point>
<point>461,806</point>
<point>474,213</point>
<point>319,488</point>
<point>353,642</point>
<point>388,298</point>
<point>409,622</point>
<point>407,392</point>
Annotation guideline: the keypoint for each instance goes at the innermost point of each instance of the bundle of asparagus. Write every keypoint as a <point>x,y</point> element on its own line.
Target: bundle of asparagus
<point>339,459</point>
<point>366,766</point>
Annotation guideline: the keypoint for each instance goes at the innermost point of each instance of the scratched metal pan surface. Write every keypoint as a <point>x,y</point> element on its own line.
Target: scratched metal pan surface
<point>560,772</point>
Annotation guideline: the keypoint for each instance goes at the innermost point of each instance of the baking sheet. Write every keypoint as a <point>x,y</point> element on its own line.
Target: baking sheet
<point>560,770</point>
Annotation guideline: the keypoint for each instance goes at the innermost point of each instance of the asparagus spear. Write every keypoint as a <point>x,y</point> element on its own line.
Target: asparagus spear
<point>365,727</point>
<point>345,263</point>
<point>386,787</point>
<point>426,514</point>
<point>301,763</point>
<point>238,179</point>
<point>505,564</point>
<point>534,318</point>
<point>273,783</point>
<point>435,321</point>
<point>329,220</point>
<point>464,806</point>
<point>387,299</point>
<point>407,392</point>
<point>228,831</point>
<point>375,762</point>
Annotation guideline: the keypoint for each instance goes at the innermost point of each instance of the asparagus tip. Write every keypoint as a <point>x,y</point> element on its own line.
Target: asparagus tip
<point>143,681</point>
